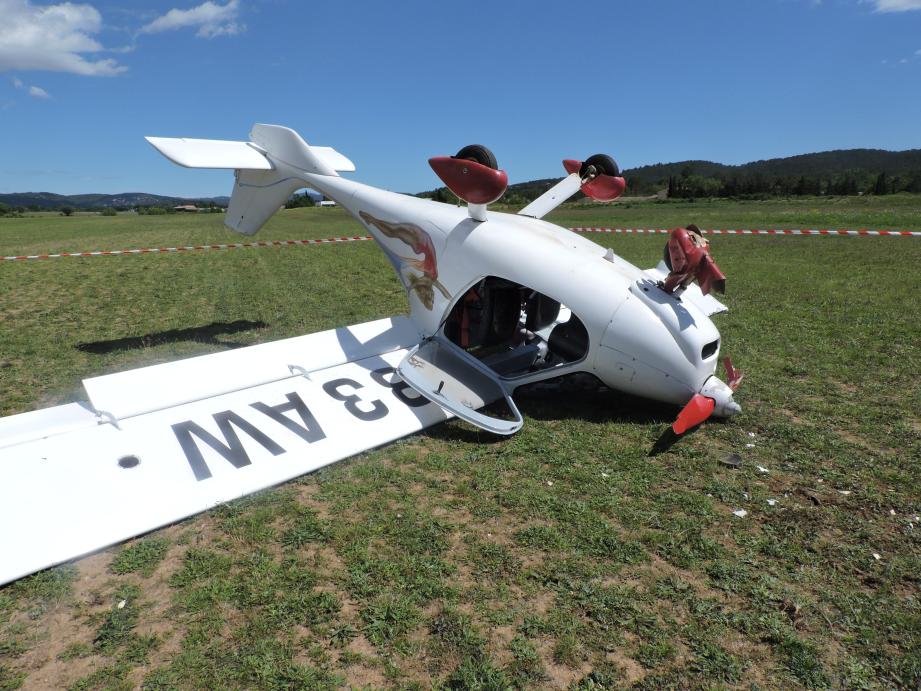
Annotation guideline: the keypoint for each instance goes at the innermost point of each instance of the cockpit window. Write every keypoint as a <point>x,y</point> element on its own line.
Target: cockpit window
<point>514,329</point>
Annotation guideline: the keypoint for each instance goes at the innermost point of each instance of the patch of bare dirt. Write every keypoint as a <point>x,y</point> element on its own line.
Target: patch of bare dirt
<point>499,637</point>
<point>632,670</point>
<point>307,496</point>
<point>64,625</point>
<point>156,617</point>
<point>560,676</point>
<point>865,444</point>
<point>794,418</point>
<point>364,674</point>
<point>542,602</point>
<point>327,562</point>
<point>845,387</point>
<point>69,623</point>
<point>448,508</point>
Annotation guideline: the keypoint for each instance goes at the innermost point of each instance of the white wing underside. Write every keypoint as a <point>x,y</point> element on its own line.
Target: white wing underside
<point>294,406</point>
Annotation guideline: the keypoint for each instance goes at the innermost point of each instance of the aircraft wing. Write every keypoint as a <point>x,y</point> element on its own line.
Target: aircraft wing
<point>158,444</point>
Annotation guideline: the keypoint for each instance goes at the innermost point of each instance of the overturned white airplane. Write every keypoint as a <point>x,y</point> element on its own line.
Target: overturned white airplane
<point>496,300</point>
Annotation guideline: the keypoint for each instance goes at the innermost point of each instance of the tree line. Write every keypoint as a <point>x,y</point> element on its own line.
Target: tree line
<point>688,185</point>
<point>18,210</point>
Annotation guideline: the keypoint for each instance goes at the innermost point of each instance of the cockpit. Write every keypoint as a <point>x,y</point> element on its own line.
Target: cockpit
<point>515,330</point>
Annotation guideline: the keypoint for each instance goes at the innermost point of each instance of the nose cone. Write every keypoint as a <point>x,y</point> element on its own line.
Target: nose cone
<point>663,350</point>
<point>724,405</point>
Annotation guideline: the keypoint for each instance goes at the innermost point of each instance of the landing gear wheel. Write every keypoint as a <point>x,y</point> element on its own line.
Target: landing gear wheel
<point>604,165</point>
<point>478,154</point>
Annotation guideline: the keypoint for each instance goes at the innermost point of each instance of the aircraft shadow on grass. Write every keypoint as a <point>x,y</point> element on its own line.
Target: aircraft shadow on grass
<point>199,334</point>
<point>578,396</point>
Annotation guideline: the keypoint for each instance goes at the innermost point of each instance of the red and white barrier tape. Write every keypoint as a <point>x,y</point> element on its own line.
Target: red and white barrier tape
<point>191,248</point>
<point>356,238</point>
<point>810,231</point>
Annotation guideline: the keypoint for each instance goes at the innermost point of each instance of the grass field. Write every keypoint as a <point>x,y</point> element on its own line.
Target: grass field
<point>564,556</point>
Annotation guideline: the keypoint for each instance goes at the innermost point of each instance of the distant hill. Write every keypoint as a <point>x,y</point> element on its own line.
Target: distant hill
<point>845,171</point>
<point>50,201</point>
<point>823,164</point>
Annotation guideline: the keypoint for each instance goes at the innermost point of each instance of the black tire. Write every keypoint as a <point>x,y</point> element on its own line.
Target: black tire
<point>603,163</point>
<point>478,154</point>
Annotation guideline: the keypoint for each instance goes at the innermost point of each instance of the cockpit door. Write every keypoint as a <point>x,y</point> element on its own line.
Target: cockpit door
<point>459,383</point>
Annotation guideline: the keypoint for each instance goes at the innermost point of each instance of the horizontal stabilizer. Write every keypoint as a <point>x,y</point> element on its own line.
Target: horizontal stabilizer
<point>211,153</point>
<point>282,144</point>
<point>333,159</point>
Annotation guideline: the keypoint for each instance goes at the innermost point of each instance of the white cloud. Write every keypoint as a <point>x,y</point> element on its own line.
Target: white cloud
<point>52,37</point>
<point>897,5</point>
<point>210,18</point>
<point>33,91</point>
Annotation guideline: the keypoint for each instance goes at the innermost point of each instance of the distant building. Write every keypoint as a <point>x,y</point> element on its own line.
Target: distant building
<point>187,207</point>
<point>326,202</point>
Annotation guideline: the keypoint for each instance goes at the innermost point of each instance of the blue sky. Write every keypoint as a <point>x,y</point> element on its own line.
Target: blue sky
<point>391,84</point>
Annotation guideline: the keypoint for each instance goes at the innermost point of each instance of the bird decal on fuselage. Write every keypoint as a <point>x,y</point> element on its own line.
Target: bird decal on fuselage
<point>421,243</point>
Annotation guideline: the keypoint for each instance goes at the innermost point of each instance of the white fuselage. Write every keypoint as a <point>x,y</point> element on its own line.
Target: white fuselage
<point>641,340</point>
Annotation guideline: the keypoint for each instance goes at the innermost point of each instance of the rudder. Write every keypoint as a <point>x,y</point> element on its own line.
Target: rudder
<point>268,169</point>
<point>257,194</point>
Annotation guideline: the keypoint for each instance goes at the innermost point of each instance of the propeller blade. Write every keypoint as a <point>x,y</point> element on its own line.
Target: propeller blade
<point>696,411</point>
<point>733,376</point>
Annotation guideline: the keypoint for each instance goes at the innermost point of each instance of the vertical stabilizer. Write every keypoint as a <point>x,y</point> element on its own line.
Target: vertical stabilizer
<point>257,194</point>
<point>268,169</point>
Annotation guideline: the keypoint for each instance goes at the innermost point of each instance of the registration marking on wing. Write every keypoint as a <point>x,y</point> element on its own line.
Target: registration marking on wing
<point>81,490</point>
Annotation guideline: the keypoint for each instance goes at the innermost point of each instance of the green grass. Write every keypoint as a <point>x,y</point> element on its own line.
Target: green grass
<point>142,556</point>
<point>448,559</point>
<point>895,212</point>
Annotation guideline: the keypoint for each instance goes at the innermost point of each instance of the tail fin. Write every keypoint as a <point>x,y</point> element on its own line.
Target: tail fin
<point>268,169</point>
<point>256,196</point>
